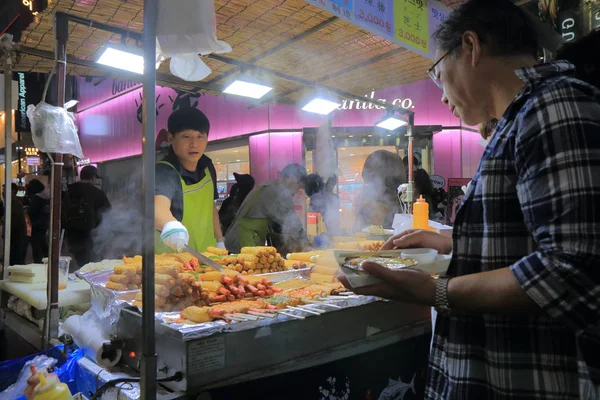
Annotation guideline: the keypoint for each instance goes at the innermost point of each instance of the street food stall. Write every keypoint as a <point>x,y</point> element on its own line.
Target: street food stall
<point>258,319</point>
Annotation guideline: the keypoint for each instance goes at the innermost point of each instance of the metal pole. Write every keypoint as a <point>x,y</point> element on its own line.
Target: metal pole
<point>409,133</point>
<point>61,35</point>
<point>8,124</point>
<point>148,359</point>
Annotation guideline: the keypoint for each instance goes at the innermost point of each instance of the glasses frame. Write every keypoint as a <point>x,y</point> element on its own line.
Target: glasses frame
<point>431,70</point>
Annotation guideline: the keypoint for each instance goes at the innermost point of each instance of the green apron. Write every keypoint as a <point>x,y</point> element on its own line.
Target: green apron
<point>252,231</point>
<point>198,209</point>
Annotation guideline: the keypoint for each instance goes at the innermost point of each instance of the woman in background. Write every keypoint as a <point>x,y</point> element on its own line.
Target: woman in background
<point>39,212</point>
<point>239,191</point>
<point>378,201</point>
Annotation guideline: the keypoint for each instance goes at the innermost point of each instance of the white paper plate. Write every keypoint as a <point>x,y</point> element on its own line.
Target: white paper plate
<point>357,280</point>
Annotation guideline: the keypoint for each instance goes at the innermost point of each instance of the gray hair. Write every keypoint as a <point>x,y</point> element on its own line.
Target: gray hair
<point>501,26</point>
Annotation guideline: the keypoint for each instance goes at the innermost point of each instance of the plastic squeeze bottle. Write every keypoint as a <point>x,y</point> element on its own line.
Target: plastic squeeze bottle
<point>50,388</point>
<point>421,214</point>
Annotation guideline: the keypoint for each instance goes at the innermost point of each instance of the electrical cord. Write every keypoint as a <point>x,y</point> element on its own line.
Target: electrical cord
<point>174,378</point>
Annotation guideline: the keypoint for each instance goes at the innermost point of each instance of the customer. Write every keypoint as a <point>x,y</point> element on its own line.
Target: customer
<point>238,193</point>
<point>18,228</point>
<point>518,314</point>
<point>39,212</point>
<point>324,201</point>
<point>84,205</point>
<point>377,202</point>
<point>268,215</point>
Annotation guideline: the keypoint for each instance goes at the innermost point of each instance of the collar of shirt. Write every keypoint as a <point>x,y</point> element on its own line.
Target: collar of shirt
<point>543,71</point>
<point>204,161</point>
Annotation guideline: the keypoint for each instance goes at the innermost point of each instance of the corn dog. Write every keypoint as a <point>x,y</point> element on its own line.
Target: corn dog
<point>167,269</point>
<point>321,269</point>
<point>306,257</point>
<point>197,314</point>
<point>125,269</point>
<point>211,286</point>
<point>124,279</point>
<point>161,290</point>
<point>217,251</point>
<point>164,279</point>
<point>119,287</point>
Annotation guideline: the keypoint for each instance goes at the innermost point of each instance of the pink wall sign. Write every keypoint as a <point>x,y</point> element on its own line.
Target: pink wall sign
<point>113,128</point>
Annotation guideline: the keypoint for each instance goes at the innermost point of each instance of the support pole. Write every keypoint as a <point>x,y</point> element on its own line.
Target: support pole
<point>8,124</point>
<point>61,34</point>
<point>148,359</point>
<point>409,133</point>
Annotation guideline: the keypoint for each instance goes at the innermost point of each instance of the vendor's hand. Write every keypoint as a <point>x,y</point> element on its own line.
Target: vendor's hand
<point>220,245</point>
<point>175,235</point>
<point>407,285</point>
<point>414,238</point>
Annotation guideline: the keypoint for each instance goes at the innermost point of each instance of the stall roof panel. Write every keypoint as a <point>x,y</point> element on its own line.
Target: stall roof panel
<point>286,36</point>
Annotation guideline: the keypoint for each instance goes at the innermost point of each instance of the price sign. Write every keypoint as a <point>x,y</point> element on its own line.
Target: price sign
<point>342,8</point>
<point>412,23</point>
<point>376,15</point>
<point>346,4</point>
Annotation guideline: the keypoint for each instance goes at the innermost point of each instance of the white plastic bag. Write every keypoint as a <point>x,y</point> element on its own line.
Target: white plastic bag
<point>184,29</point>
<point>54,130</point>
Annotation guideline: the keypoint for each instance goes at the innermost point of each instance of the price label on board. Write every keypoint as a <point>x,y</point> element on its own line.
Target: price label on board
<point>377,15</point>
<point>412,23</point>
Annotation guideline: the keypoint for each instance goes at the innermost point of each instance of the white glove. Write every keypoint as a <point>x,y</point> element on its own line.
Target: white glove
<point>175,235</point>
<point>220,245</point>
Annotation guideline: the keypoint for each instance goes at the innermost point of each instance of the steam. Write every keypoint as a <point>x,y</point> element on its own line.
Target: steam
<point>325,164</point>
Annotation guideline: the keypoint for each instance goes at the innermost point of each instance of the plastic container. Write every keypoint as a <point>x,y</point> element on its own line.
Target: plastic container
<point>422,256</point>
<point>421,214</point>
<point>63,271</point>
<point>50,388</point>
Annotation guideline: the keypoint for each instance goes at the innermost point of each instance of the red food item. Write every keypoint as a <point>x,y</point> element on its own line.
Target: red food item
<point>224,291</point>
<point>242,279</point>
<point>220,299</point>
<point>261,287</point>
<point>216,313</point>
<point>269,292</point>
<point>248,295</point>
<point>194,263</point>
<point>271,307</point>
<point>276,290</point>
<point>261,293</point>
<point>267,282</point>
<point>241,289</point>
<point>187,266</point>
<point>252,289</point>
<point>234,290</point>
<point>231,297</point>
<point>227,280</point>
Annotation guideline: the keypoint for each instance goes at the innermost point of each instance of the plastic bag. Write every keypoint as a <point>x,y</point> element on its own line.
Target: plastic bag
<point>184,29</point>
<point>15,391</point>
<point>54,130</point>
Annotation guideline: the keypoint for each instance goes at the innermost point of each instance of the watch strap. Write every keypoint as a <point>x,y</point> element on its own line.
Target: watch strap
<point>441,294</point>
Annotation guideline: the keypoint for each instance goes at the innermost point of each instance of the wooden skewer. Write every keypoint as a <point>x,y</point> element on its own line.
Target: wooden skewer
<point>245,316</point>
<point>312,309</point>
<point>345,294</point>
<point>322,303</point>
<point>232,317</point>
<point>290,315</point>
<point>264,315</point>
<point>304,310</point>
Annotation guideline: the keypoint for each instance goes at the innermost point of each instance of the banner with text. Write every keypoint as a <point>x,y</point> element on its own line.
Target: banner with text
<point>408,23</point>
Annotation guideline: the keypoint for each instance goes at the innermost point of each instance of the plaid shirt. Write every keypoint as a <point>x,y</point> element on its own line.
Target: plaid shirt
<point>533,205</point>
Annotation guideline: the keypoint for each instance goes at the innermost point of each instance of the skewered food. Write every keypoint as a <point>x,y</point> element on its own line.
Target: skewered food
<point>392,262</point>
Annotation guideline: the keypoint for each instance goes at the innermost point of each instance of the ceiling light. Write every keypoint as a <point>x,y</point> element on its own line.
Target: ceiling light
<point>127,58</point>
<point>391,123</point>
<point>321,106</point>
<point>332,135</point>
<point>352,154</point>
<point>370,135</point>
<point>351,136</point>
<point>247,89</point>
<point>238,160</point>
<point>389,135</point>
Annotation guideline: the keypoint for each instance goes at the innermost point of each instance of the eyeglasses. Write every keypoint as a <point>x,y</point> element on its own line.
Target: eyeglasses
<point>431,71</point>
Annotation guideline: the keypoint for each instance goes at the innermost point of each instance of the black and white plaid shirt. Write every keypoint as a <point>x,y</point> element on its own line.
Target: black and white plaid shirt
<point>533,205</point>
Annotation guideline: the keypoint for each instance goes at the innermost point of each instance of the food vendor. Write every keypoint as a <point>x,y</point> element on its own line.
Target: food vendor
<point>185,212</point>
<point>268,214</point>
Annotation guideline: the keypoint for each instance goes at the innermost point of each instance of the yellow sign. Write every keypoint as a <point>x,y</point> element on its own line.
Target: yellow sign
<point>31,151</point>
<point>412,23</point>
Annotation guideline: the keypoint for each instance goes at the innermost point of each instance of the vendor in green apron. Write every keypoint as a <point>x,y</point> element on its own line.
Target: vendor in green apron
<point>268,214</point>
<point>185,212</point>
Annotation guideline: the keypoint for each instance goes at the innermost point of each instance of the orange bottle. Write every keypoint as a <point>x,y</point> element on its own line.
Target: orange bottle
<point>421,214</point>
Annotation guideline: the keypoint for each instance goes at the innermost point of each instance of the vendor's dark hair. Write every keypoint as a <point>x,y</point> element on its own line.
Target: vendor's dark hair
<point>584,54</point>
<point>188,118</point>
<point>313,184</point>
<point>35,187</point>
<point>501,26</point>
<point>295,171</point>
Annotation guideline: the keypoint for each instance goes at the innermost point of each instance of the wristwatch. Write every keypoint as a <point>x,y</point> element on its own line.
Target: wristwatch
<point>441,294</point>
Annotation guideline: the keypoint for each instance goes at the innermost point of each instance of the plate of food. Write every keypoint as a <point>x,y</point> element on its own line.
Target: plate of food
<point>351,264</point>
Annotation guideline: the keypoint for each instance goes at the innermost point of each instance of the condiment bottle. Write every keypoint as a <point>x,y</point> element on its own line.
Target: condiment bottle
<point>50,388</point>
<point>421,214</point>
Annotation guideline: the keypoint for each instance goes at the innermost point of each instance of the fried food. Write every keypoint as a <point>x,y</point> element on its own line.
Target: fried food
<point>124,279</point>
<point>125,269</point>
<point>217,251</point>
<point>119,287</point>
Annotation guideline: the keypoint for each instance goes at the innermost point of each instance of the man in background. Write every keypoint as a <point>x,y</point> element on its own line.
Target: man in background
<point>84,205</point>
